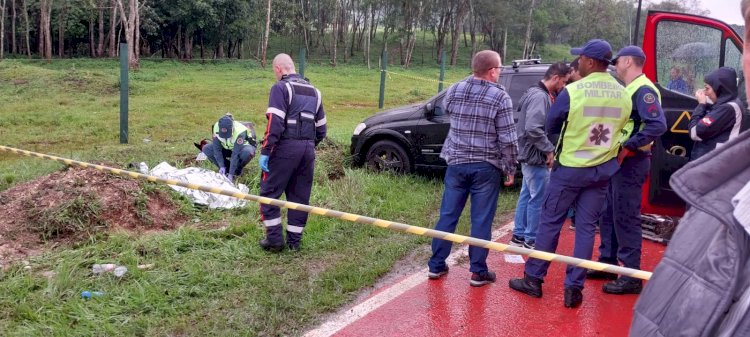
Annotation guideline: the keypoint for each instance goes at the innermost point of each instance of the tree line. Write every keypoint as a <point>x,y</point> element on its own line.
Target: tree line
<point>337,30</point>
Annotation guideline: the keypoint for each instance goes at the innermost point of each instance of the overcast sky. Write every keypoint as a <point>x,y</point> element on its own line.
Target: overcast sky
<point>724,10</point>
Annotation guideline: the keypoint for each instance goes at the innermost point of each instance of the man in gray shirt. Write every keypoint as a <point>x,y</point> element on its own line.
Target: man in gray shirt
<point>536,152</point>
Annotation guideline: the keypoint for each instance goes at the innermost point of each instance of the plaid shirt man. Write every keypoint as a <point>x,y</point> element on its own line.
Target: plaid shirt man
<point>482,126</point>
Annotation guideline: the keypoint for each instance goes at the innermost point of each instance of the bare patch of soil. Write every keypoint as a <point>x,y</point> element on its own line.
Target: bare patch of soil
<point>73,204</point>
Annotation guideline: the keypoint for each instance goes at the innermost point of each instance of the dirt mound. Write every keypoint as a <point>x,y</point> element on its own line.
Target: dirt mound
<point>74,204</point>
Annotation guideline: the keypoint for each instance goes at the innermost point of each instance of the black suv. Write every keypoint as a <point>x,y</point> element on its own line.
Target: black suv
<point>411,137</point>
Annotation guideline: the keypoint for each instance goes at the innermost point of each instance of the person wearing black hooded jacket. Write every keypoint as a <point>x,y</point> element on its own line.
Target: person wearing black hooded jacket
<point>720,115</point>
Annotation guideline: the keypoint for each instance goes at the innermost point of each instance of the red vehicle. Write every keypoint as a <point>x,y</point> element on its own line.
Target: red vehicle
<point>681,47</point>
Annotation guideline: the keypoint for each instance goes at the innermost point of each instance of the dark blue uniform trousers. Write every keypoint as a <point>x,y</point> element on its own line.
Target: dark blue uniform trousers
<point>585,188</point>
<point>620,227</point>
<point>292,166</point>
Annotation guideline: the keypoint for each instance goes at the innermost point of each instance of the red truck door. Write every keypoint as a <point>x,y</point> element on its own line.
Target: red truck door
<point>680,49</point>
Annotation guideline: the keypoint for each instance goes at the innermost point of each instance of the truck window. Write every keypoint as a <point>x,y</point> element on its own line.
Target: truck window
<point>733,59</point>
<point>684,54</point>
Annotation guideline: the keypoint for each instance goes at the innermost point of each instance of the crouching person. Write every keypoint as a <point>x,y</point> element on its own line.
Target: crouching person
<point>233,146</point>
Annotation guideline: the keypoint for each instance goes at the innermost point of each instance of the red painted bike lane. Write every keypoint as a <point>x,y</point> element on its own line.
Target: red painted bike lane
<point>450,307</point>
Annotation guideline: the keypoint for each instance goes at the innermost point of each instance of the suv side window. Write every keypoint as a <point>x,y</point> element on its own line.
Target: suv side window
<point>519,83</point>
<point>437,104</point>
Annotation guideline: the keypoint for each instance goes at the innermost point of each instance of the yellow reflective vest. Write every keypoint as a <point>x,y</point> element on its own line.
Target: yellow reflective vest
<point>599,110</point>
<point>237,129</point>
<point>631,89</point>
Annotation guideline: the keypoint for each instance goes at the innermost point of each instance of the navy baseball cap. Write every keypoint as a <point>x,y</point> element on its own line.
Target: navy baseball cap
<point>629,51</point>
<point>596,49</point>
<point>225,127</point>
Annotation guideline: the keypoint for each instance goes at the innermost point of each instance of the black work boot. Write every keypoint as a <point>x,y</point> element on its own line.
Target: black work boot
<point>600,275</point>
<point>274,240</point>
<point>573,297</point>
<point>293,241</point>
<point>528,285</point>
<point>272,247</point>
<point>623,286</point>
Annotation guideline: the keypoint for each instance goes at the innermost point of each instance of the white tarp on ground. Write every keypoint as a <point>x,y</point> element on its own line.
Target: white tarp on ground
<point>199,176</point>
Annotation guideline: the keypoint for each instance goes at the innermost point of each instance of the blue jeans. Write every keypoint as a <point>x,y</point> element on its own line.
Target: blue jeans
<point>481,181</point>
<point>529,207</point>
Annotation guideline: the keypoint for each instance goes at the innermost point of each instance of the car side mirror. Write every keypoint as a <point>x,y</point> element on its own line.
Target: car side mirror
<point>428,110</point>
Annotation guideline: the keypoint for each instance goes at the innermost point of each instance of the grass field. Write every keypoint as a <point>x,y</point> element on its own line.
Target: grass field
<point>205,281</point>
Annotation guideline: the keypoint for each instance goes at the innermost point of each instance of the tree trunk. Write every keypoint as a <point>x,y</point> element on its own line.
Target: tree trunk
<point>264,47</point>
<point>305,30</point>
<point>48,31</point>
<point>13,48</point>
<point>26,23</point>
<point>61,31</point>
<point>220,45</point>
<point>335,27</point>
<point>180,53</point>
<point>100,22</point>
<point>355,28</point>
<point>473,28</point>
<point>45,33</point>
<point>2,29</point>
<point>188,45</point>
<point>201,42</point>
<point>461,10</point>
<point>527,40</point>
<point>137,33</point>
<point>442,30</point>
<point>505,43</point>
<point>92,44</point>
<point>367,41</point>
<point>130,30</point>
<point>112,28</point>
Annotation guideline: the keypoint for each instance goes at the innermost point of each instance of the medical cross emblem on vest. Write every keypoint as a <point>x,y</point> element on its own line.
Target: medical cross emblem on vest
<point>600,135</point>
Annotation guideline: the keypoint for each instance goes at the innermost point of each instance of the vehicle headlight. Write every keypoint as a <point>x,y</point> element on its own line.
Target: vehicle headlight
<point>360,127</point>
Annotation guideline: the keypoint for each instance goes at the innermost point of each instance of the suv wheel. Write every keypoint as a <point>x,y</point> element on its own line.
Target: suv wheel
<point>386,155</point>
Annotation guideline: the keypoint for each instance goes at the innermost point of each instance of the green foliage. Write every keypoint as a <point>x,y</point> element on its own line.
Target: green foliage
<point>233,29</point>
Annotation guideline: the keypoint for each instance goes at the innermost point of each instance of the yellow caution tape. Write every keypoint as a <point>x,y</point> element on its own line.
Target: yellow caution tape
<point>640,274</point>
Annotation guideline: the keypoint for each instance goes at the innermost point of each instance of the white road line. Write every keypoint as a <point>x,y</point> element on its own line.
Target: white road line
<point>352,315</point>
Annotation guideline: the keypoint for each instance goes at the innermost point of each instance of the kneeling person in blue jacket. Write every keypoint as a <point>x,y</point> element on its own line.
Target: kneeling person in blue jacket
<point>232,148</point>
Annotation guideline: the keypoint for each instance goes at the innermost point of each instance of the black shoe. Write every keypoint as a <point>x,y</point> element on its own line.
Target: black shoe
<point>529,245</point>
<point>528,285</point>
<point>623,286</point>
<point>600,275</point>
<point>573,297</point>
<point>436,275</point>
<point>482,278</point>
<point>293,248</point>
<point>271,247</point>
<point>517,241</point>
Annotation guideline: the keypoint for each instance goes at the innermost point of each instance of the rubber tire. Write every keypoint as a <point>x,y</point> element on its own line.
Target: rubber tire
<point>387,155</point>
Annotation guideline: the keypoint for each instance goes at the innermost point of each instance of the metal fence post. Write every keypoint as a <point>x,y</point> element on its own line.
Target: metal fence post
<point>383,69</point>
<point>442,70</point>
<point>123,93</point>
